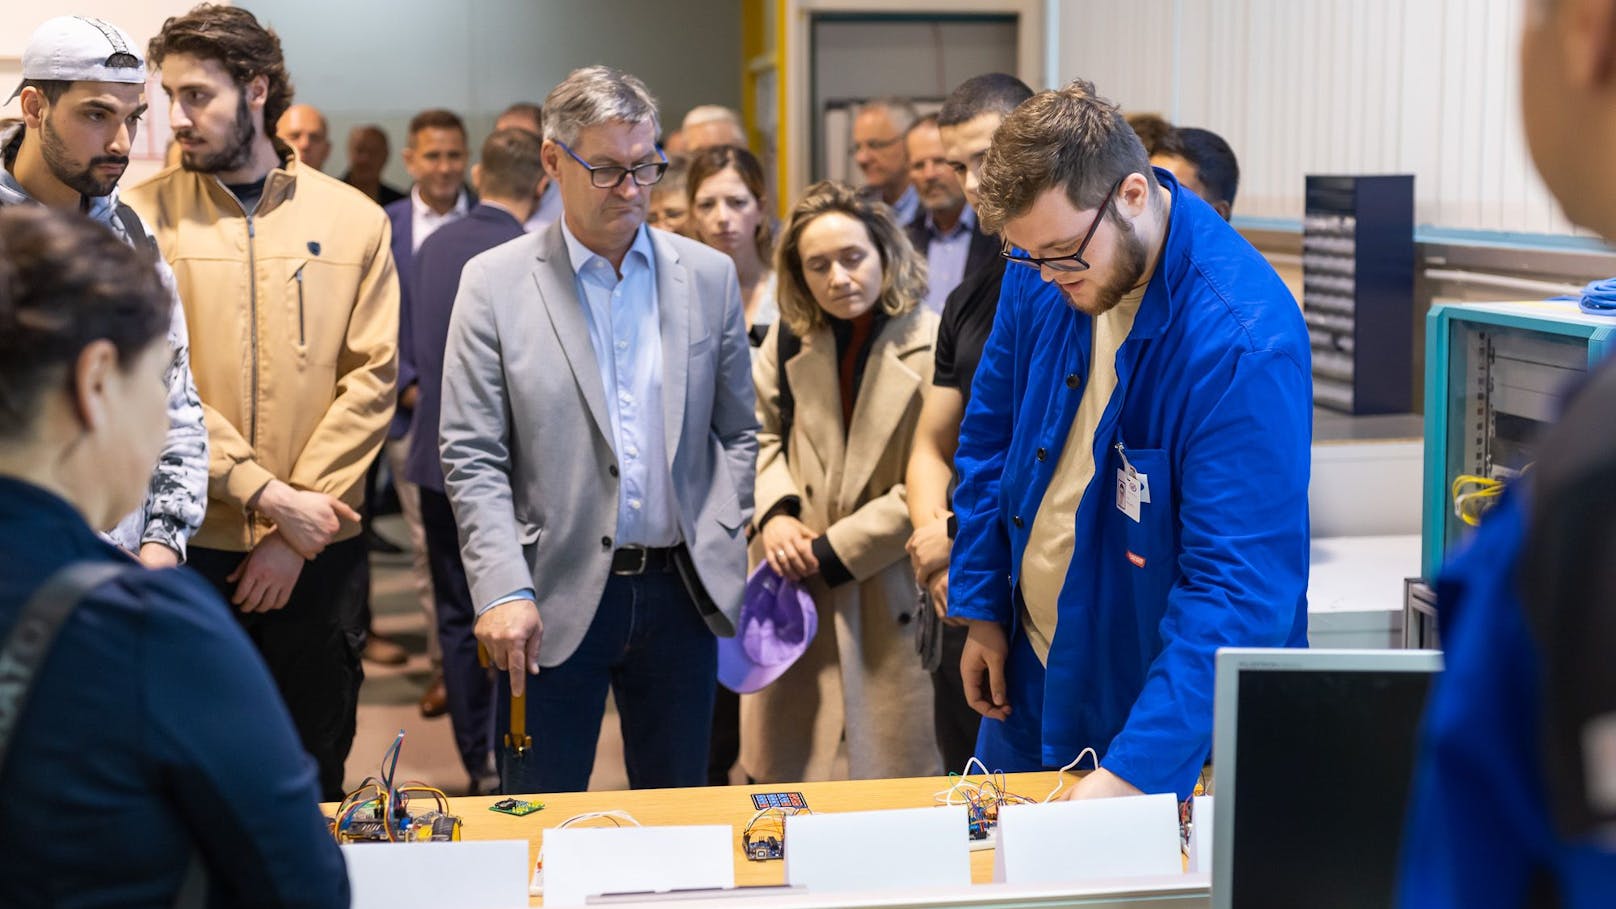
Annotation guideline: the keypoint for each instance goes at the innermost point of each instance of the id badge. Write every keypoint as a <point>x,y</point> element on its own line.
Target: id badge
<point>1128,493</point>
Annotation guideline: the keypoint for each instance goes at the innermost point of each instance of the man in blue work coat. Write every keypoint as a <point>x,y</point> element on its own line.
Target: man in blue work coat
<point>1514,795</point>
<point>1133,464</point>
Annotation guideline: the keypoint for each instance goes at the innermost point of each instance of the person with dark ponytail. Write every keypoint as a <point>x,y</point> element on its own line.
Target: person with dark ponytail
<point>143,747</point>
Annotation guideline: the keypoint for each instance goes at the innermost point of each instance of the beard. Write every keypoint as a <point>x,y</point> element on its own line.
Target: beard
<point>82,178</point>
<point>934,196</point>
<point>1127,268</point>
<point>234,156</point>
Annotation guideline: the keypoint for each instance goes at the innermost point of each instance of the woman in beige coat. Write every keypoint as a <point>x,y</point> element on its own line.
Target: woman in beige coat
<point>839,381</point>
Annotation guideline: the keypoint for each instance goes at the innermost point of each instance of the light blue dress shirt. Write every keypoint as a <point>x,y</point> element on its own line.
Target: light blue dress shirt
<point>625,331</point>
<point>907,206</point>
<point>946,254</point>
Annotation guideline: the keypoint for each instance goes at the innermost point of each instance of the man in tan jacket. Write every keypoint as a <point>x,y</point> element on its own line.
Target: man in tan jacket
<point>289,288</point>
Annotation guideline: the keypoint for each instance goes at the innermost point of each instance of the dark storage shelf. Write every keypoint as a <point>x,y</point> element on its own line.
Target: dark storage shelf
<point>1358,291</point>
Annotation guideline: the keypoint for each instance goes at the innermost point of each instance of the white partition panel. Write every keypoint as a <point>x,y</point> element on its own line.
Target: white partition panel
<point>1331,86</point>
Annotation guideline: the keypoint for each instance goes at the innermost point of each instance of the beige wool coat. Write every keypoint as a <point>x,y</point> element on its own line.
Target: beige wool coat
<point>860,678</point>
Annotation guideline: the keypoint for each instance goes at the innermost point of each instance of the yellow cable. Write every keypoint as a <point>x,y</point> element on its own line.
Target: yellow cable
<point>1473,495</point>
<point>442,798</point>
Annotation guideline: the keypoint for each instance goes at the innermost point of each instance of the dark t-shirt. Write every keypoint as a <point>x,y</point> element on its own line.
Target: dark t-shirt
<point>967,320</point>
<point>248,194</point>
<point>385,195</point>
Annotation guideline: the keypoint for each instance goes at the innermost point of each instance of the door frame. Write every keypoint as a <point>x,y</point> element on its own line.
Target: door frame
<point>796,26</point>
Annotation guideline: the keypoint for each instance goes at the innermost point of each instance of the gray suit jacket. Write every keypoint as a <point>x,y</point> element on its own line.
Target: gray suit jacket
<point>527,447</point>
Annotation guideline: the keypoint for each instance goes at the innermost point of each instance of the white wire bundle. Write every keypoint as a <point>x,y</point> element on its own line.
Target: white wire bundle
<point>614,815</point>
<point>968,790</point>
<point>535,887</point>
<point>1060,779</point>
<point>783,810</point>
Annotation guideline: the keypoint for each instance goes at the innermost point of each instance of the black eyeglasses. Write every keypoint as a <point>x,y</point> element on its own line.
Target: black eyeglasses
<point>611,176</point>
<point>1074,262</point>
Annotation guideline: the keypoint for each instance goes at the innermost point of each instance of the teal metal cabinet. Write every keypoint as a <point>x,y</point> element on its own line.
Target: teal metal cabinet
<point>1496,374</point>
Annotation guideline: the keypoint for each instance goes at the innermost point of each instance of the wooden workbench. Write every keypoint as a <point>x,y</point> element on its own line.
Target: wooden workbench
<point>726,805</point>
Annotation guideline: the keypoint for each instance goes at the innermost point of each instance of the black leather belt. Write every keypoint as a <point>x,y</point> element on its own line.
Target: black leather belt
<point>644,560</point>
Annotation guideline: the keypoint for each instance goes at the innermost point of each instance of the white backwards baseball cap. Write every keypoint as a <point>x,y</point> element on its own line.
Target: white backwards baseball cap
<point>81,49</point>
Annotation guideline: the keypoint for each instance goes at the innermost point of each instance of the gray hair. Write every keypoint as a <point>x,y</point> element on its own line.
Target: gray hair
<point>594,95</point>
<point>899,110</point>
<point>710,113</point>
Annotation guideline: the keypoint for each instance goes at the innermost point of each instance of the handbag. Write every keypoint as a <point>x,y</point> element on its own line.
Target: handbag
<point>928,633</point>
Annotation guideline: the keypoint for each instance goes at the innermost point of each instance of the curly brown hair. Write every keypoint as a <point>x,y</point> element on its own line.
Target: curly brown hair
<point>903,271</point>
<point>235,38</point>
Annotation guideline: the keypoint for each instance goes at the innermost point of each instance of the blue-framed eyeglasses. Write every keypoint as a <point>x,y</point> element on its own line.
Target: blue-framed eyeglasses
<point>1074,262</point>
<point>611,176</point>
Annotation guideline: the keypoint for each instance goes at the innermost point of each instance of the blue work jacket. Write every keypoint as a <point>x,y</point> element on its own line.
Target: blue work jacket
<point>1213,404</point>
<point>1479,832</point>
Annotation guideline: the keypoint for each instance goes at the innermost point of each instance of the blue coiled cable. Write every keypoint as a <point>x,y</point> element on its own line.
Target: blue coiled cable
<point>1599,298</point>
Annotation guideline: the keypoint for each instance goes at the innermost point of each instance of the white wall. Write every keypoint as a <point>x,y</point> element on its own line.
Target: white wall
<point>1428,87</point>
<point>369,61</point>
<point>140,18</point>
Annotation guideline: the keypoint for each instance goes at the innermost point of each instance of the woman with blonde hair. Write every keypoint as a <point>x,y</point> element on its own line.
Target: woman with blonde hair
<point>839,383</point>
<point>727,193</point>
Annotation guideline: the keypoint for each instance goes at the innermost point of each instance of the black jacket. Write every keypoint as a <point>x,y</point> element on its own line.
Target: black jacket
<point>984,247</point>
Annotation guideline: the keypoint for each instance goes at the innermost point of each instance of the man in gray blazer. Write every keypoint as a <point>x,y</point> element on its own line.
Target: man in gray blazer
<point>598,439</point>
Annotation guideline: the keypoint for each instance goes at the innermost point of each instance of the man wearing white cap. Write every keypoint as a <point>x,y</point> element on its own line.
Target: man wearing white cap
<point>82,97</point>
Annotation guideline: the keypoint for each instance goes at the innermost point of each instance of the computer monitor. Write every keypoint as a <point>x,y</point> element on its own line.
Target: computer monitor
<point>1313,757</point>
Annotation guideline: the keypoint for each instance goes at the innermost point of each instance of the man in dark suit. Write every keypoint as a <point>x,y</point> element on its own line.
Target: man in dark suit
<point>945,230</point>
<point>507,181</point>
<point>435,155</point>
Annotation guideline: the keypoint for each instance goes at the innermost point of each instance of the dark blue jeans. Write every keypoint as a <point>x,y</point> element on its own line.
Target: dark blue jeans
<point>650,646</point>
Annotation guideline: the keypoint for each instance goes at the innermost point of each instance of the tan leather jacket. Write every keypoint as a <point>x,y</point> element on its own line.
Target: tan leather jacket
<point>293,315</point>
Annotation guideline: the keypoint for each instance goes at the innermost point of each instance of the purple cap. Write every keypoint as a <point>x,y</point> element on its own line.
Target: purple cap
<point>777,623</point>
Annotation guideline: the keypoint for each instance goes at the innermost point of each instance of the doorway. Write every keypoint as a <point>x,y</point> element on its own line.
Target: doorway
<point>858,57</point>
